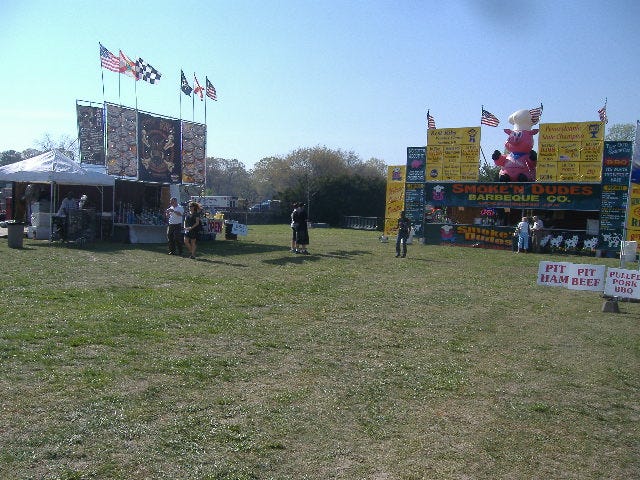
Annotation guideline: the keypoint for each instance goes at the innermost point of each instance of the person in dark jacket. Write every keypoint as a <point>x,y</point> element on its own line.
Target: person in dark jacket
<point>302,231</point>
<point>404,227</point>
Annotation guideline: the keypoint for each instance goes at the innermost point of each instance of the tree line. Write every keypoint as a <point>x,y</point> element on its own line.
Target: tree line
<point>333,183</point>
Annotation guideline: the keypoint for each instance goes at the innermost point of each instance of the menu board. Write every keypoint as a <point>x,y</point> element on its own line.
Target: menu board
<point>414,205</point>
<point>416,159</point>
<point>616,172</point>
<point>570,152</point>
<point>453,154</point>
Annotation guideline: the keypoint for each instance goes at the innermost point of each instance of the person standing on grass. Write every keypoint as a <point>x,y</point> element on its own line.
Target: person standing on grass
<point>523,235</point>
<point>537,230</point>
<point>302,231</point>
<point>192,226</point>
<point>294,229</point>
<point>404,227</point>
<point>174,231</point>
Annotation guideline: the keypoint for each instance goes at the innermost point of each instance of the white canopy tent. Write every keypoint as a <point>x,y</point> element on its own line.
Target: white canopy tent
<point>55,168</point>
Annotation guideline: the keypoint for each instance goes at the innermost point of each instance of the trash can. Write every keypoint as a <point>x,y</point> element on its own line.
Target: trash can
<point>15,234</point>
<point>228,228</point>
<point>628,252</point>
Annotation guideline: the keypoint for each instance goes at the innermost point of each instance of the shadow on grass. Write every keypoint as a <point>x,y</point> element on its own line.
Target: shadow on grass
<point>220,262</point>
<point>224,248</point>
<point>297,259</point>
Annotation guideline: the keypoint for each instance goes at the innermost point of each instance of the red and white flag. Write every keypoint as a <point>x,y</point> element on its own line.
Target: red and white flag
<point>197,89</point>
<point>128,66</point>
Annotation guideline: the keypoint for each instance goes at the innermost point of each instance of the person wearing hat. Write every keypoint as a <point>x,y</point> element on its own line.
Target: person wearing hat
<point>174,214</point>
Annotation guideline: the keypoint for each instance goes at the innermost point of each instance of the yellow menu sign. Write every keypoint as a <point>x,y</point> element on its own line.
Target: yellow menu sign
<point>570,152</point>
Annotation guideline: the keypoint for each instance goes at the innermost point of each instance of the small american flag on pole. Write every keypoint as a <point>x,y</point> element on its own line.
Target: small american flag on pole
<point>211,91</point>
<point>489,119</point>
<point>431,122</point>
<point>535,114</point>
<point>108,60</point>
<point>603,113</point>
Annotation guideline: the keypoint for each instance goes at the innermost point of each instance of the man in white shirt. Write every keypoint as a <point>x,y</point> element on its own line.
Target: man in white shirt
<point>62,223</point>
<point>68,204</point>
<point>536,233</point>
<point>174,215</point>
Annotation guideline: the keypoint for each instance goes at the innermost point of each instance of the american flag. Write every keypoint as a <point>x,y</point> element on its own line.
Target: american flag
<point>431,122</point>
<point>489,119</point>
<point>211,91</point>
<point>535,114</point>
<point>108,60</point>
<point>128,66</point>
<point>184,85</point>
<point>603,114</point>
<point>146,72</point>
<point>197,89</point>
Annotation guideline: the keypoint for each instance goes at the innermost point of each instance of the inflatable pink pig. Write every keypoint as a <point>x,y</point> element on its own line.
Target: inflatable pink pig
<point>519,165</point>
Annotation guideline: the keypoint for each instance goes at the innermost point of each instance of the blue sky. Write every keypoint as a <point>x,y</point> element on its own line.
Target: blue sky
<point>352,75</point>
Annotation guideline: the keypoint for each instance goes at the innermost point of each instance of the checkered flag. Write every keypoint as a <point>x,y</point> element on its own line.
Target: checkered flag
<point>146,72</point>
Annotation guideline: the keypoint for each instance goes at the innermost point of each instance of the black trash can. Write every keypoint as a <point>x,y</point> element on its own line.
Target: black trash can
<point>228,227</point>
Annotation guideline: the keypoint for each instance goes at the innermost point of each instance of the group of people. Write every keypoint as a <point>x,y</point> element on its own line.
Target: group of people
<point>300,230</point>
<point>183,228</point>
<point>529,229</point>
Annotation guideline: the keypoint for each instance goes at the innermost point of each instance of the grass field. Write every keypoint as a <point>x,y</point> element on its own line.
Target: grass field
<point>121,362</point>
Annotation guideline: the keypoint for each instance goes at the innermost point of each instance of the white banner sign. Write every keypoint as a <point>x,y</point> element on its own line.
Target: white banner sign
<point>239,229</point>
<point>586,277</point>
<point>553,274</point>
<point>623,283</point>
<point>575,276</point>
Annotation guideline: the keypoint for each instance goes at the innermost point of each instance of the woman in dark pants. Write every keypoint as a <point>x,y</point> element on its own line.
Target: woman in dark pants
<point>192,227</point>
<point>302,232</point>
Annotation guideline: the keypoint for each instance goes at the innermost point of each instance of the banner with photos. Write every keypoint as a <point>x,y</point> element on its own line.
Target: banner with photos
<point>159,147</point>
<point>90,134</point>
<point>193,152</point>
<point>122,143</point>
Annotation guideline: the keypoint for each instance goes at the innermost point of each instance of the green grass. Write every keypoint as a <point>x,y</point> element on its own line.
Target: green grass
<point>122,362</point>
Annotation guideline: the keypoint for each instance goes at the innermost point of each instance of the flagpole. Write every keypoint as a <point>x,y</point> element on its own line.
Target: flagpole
<point>193,99</point>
